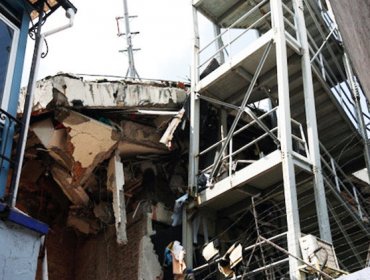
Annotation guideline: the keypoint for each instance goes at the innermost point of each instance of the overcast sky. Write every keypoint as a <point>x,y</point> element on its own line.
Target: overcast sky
<point>91,46</point>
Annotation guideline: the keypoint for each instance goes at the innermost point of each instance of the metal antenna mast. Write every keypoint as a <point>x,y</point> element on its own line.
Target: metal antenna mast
<point>131,71</point>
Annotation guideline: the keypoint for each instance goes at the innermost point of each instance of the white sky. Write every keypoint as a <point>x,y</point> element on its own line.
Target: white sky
<point>91,46</point>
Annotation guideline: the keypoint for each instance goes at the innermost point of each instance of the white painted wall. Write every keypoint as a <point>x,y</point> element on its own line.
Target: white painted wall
<point>19,250</point>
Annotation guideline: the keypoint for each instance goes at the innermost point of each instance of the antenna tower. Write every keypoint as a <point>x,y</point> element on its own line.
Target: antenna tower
<point>131,71</point>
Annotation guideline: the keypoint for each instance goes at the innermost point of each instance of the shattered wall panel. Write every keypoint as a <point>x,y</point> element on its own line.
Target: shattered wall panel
<point>138,139</point>
<point>77,144</point>
<point>115,182</point>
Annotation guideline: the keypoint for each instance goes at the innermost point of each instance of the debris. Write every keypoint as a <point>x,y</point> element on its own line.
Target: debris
<point>77,144</point>
<point>103,212</point>
<point>211,250</point>
<point>234,255</point>
<point>138,139</point>
<point>178,263</point>
<point>76,195</point>
<point>177,211</point>
<point>115,183</point>
<point>161,214</point>
<point>149,266</point>
<point>168,135</point>
<point>83,225</point>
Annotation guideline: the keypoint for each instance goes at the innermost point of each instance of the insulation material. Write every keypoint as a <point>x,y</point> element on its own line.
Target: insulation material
<point>115,182</point>
<point>106,94</point>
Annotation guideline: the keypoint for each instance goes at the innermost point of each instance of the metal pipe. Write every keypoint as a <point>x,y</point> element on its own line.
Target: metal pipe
<point>224,47</point>
<point>262,125</point>
<point>242,148</point>
<point>254,9</point>
<point>295,257</point>
<point>45,273</point>
<point>239,131</point>
<point>241,110</point>
<point>271,265</point>
<point>40,37</point>
<point>342,229</point>
<point>335,173</point>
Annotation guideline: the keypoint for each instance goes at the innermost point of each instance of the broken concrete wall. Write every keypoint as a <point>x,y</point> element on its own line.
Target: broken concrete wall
<point>97,173</point>
<point>100,257</point>
<point>68,90</point>
<point>77,144</point>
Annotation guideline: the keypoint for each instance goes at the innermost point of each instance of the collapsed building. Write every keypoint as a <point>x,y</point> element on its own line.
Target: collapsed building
<point>104,163</point>
<point>250,168</point>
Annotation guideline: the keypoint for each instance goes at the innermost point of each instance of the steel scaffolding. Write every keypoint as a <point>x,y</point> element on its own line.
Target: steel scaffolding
<point>298,152</point>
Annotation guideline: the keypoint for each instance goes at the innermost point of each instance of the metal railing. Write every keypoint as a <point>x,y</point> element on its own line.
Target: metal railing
<point>343,185</point>
<point>325,51</point>
<point>232,153</point>
<point>232,35</point>
<point>231,160</point>
<point>9,126</point>
<point>234,38</point>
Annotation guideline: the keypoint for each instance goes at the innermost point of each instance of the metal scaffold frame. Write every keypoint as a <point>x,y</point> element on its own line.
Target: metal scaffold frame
<point>285,55</point>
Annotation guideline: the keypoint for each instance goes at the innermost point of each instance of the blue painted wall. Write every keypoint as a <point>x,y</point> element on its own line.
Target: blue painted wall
<point>20,12</point>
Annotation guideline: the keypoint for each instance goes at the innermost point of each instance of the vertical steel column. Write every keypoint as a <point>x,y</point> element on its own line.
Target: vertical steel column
<point>187,236</point>
<point>194,143</point>
<point>194,111</point>
<point>312,134</point>
<point>219,44</point>
<point>284,123</point>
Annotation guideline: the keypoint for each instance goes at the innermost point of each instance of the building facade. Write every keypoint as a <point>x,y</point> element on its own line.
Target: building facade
<point>20,235</point>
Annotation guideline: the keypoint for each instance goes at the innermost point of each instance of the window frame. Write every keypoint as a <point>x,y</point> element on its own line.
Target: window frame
<point>11,64</point>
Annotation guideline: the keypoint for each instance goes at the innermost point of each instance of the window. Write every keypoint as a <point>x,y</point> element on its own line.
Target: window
<point>8,46</point>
